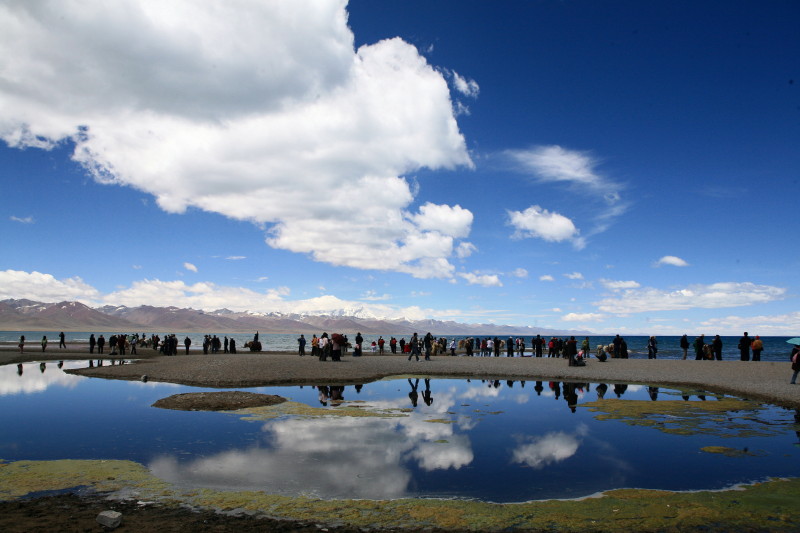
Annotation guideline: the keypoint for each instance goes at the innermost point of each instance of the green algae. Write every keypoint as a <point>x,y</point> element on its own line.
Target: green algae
<point>302,410</point>
<point>729,452</point>
<point>727,417</point>
<point>767,505</point>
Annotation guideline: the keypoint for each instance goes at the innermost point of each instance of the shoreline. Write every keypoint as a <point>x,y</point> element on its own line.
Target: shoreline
<point>767,381</point>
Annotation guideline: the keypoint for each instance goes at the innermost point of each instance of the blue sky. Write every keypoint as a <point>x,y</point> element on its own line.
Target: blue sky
<point>624,167</point>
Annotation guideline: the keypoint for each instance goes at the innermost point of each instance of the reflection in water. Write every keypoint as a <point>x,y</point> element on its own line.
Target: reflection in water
<point>550,448</point>
<point>485,439</point>
<point>354,457</point>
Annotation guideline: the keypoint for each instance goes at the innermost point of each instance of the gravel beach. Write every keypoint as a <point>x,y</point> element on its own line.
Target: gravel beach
<point>768,381</point>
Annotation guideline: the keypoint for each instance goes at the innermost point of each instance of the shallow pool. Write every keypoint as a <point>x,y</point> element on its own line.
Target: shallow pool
<point>497,441</point>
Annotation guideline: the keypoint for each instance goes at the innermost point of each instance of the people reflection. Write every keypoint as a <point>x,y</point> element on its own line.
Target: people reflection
<point>324,394</point>
<point>653,392</point>
<point>601,390</point>
<point>337,393</point>
<point>413,395</point>
<point>60,364</point>
<point>571,395</point>
<point>358,388</point>
<point>19,369</point>
<point>42,367</point>
<point>619,389</point>
<point>538,388</point>
<point>555,386</point>
<point>426,394</point>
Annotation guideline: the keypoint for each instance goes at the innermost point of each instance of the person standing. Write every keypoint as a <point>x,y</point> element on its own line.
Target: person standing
<point>453,347</point>
<point>187,342</point>
<point>744,347</point>
<point>699,342</point>
<point>428,344</point>
<point>301,345</point>
<point>232,345</point>
<point>758,347</point>
<point>652,348</point>
<point>21,343</point>
<point>314,345</point>
<point>381,344</point>
<point>538,344</point>
<point>44,342</point>
<point>584,346</point>
<point>101,341</point>
<point>685,345</point>
<point>617,346</point>
<point>92,342</point>
<point>716,347</point>
<point>61,342</point>
<point>414,342</point>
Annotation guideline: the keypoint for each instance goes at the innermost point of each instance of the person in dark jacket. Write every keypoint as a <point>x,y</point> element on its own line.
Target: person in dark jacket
<point>716,347</point>
<point>685,345</point>
<point>744,347</point>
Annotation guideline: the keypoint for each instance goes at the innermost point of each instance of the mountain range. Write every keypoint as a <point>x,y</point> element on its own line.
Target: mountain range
<point>28,315</point>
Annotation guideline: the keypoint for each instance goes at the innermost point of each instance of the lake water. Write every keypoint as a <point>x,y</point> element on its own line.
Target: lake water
<point>496,441</point>
<point>775,348</point>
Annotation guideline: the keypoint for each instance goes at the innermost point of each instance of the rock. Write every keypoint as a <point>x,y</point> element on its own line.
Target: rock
<point>110,519</point>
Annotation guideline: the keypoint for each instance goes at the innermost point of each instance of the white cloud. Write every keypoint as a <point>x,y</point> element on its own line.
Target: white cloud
<point>540,223</point>
<point>22,220</point>
<point>486,280</point>
<point>671,260</point>
<point>583,317</point>
<point>619,285</point>
<point>520,273</point>
<point>37,286</point>
<point>372,296</point>
<point>573,275</point>
<point>465,249</point>
<point>190,267</point>
<point>465,86</point>
<point>264,113</point>
<point>713,296</point>
<point>236,257</point>
<point>546,277</point>
<point>554,163</point>
<point>787,324</point>
<point>454,221</point>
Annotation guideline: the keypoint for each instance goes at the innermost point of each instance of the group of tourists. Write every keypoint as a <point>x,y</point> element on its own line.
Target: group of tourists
<point>713,350</point>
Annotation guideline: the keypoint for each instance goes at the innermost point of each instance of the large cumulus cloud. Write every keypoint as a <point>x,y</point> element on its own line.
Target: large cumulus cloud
<point>259,111</point>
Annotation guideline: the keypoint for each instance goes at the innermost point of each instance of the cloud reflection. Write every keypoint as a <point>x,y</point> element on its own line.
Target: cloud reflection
<point>553,447</point>
<point>341,457</point>
<point>35,378</point>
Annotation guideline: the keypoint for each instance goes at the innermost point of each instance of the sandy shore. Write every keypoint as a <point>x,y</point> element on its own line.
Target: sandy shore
<point>768,381</point>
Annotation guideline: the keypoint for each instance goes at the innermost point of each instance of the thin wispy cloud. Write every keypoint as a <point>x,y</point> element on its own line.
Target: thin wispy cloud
<point>578,170</point>
<point>22,220</point>
<point>671,260</point>
<point>190,267</point>
<point>713,296</point>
